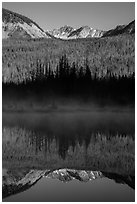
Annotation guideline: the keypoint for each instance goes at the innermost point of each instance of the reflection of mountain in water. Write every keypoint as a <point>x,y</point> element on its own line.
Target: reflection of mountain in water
<point>18,181</point>
<point>108,153</point>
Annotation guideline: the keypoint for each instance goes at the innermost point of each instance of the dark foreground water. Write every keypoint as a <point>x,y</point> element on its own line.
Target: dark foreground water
<point>69,156</point>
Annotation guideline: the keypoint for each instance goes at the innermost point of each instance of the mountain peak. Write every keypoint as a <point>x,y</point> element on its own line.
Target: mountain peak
<point>121,29</point>
<point>17,25</point>
<point>66,28</point>
<point>62,32</point>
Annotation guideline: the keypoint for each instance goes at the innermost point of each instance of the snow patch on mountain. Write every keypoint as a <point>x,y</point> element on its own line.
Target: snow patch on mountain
<point>16,25</point>
<point>62,32</point>
<point>67,32</point>
<point>9,29</point>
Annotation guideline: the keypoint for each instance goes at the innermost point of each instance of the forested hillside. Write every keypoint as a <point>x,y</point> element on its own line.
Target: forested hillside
<point>111,54</point>
<point>98,70</point>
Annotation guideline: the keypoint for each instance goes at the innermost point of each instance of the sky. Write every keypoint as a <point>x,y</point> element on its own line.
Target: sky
<point>98,15</point>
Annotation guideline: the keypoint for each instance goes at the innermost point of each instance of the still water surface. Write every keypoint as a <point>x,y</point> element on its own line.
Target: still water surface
<point>74,156</point>
<point>104,190</point>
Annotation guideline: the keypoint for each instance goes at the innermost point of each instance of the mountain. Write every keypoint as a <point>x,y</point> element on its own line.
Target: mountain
<point>67,32</point>
<point>121,29</point>
<point>18,26</point>
<point>62,32</point>
<point>86,32</point>
<point>18,181</point>
<point>66,175</point>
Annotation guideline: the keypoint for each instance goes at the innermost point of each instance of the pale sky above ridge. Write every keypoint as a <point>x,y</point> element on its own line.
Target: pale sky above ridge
<point>98,15</point>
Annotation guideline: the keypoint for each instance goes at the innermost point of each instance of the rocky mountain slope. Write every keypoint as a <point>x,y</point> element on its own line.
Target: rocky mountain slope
<point>121,29</point>
<point>62,32</point>
<point>86,32</point>
<point>18,26</point>
<point>67,32</point>
<point>18,181</point>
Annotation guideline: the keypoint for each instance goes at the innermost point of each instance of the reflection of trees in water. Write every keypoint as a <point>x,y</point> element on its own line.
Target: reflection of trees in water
<point>91,149</point>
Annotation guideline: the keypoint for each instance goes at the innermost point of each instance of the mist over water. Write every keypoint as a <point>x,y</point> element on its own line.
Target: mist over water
<point>68,123</point>
<point>100,140</point>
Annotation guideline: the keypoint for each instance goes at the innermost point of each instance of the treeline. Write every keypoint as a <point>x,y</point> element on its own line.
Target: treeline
<point>69,81</point>
<point>22,57</point>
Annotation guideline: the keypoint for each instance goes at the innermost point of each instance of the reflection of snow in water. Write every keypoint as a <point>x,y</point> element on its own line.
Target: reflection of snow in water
<point>12,185</point>
<point>101,141</point>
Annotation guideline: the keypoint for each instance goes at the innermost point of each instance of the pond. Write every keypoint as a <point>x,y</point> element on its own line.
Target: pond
<point>68,156</point>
